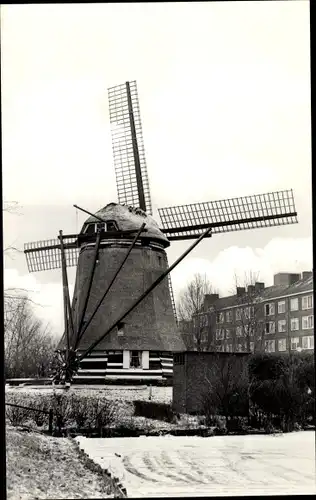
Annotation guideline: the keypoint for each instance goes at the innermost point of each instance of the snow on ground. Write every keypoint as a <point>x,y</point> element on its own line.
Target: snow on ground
<point>221,465</point>
<point>126,393</point>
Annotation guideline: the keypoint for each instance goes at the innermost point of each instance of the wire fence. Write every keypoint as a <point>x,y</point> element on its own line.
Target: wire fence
<point>50,413</point>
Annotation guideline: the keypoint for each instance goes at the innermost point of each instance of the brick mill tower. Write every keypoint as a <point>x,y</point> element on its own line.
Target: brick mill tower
<point>142,345</point>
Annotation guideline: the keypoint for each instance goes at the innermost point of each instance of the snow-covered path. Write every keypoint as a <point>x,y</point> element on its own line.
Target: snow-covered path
<point>228,465</point>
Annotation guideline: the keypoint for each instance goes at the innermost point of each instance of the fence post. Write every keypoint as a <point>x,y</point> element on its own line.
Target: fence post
<point>50,421</point>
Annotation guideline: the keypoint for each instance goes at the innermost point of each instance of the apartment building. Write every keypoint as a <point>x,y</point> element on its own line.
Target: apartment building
<point>278,318</point>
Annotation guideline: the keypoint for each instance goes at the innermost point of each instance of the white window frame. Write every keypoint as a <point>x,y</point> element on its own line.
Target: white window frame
<point>220,335</point>
<point>281,309</point>
<point>238,313</point>
<point>283,345</point>
<point>271,310</point>
<point>307,302</point>
<point>310,322</point>
<point>271,330</point>
<point>229,316</point>
<point>228,333</point>
<point>267,345</point>
<point>297,322</point>
<point>252,346</point>
<point>239,331</point>
<point>220,318</point>
<point>283,323</point>
<point>294,301</point>
<point>295,342</point>
<point>308,342</point>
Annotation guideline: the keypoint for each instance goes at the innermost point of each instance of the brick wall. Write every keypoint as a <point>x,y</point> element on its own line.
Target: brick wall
<point>151,326</point>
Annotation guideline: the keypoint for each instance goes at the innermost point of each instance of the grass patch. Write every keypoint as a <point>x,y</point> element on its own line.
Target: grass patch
<point>46,467</point>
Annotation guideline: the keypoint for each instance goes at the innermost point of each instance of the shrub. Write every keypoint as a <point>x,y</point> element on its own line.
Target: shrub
<point>283,388</point>
<point>266,366</point>
<point>151,409</point>
<point>17,416</point>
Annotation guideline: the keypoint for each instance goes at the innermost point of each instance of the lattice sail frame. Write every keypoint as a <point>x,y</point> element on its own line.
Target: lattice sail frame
<point>122,144</point>
<point>46,255</point>
<point>234,214</point>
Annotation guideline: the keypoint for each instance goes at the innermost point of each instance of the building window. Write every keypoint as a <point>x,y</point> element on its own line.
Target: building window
<point>307,302</point>
<point>282,345</point>
<point>229,316</point>
<point>238,314</point>
<point>228,333</point>
<point>270,327</point>
<point>295,324</point>
<point>219,334</point>
<point>295,342</point>
<point>220,317</point>
<point>229,348</point>
<point>203,337</point>
<point>307,322</point>
<point>281,307</point>
<point>135,359</point>
<point>205,320</point>
<point>269,309</point>
<point>249,312</point>
<point>252,346</point>
<point>282,325</point>
<point>239,331</point>
<point>240,347</point>
<point>269,345</point>
<point>294,304</point>
<point>178,359</point>
<point>308,342</point>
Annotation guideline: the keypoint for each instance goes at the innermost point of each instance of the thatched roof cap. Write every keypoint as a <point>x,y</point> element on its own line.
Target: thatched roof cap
<point>129,218</point>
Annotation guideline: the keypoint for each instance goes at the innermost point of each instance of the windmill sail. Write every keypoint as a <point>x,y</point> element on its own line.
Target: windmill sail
<point>235,214</point>
<point>128,147</point>
<point>46,255</point>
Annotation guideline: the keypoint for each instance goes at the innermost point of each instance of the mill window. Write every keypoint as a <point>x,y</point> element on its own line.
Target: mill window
<point>111,226</point>
<point>135,359</point>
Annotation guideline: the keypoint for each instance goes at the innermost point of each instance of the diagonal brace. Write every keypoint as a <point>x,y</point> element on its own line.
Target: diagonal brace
<point>94,262</point>
<point>111,283</point>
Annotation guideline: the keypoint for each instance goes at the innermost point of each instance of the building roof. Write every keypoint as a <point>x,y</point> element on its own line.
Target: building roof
<point>130,218</point>
<point>270,292</point>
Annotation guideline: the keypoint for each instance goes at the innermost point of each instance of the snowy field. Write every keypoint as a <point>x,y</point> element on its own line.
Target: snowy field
<point>126,393</point>
<point>221,465</point>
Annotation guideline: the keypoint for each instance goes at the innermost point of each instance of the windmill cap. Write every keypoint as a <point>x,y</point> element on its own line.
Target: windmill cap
<point>129,218</point>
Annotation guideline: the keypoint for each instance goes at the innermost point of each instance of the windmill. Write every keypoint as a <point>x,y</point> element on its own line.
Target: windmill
<point>121,323</point>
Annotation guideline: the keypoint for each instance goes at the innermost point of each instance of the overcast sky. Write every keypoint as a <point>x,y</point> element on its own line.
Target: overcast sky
<point>224,91</point>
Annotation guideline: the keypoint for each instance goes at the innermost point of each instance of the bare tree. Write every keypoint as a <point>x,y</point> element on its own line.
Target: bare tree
<point>29,346</point>
<point>226,388</point>
<point>250,327</point>
<point>197,324</point>
<point>11,207</point>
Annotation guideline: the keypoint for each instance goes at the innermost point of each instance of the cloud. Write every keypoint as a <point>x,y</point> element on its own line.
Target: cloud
<point>279,255</point>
